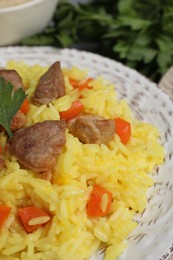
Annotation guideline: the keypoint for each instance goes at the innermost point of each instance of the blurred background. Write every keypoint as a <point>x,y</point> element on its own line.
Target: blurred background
<point>137,33</point>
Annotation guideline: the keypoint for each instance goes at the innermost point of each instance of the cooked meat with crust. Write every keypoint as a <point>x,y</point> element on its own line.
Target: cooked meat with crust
<point>37,146</point>
<point>51,85</point>
<point>17,121</point>
<point>92,129</point>
<point>13,77</point>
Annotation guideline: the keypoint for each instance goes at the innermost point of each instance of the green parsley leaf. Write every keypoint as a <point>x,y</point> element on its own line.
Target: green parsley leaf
<point>136,33</point>
<point>9,103</point>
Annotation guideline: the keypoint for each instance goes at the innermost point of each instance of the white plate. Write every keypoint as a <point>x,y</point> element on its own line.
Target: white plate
<point>153,238</point>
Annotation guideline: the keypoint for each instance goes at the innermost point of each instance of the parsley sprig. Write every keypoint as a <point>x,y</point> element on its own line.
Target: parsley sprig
<point>136,33</point>
<point>9,103</point>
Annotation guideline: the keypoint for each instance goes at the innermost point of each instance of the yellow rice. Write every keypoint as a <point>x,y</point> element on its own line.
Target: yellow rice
<point>123,170</point>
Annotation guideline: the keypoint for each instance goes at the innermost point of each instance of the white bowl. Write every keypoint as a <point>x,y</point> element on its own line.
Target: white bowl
<point>19,21</point>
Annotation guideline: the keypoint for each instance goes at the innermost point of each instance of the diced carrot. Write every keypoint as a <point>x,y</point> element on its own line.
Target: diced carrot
<point>80,85</point>
<point>31,213</point>
<point>74,83</point>
<point>123,129</point>
<point>99,202</point>
<point>75,109</point>
<point>25,106</point>
<point>4,213</point>
<point>84,84</point>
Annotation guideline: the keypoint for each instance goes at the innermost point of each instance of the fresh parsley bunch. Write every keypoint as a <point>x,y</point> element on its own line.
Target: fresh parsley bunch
<point>136,33</point>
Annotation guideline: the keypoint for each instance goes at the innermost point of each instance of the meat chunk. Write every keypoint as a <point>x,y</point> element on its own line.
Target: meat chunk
<point>17,121</point>
<point>13,77</point>
<point>51,85</point>
<point>37,146</point>
<point>92,129</point>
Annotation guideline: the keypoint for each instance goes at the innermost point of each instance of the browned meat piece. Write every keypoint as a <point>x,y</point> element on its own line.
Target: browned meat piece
<point>17,121</point>
<point>92,129</point>
<point>51,85</point>
<point>37,146</point>
<point>13,77</point>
